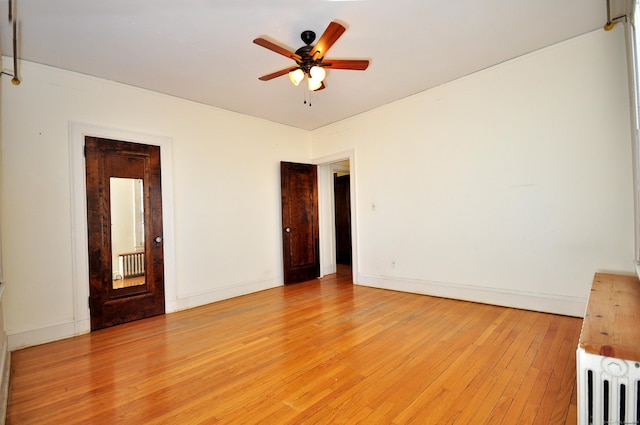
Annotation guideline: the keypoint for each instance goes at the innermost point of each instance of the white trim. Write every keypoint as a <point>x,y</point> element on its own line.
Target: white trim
<point>80,258</point>
<point>226,292</point>
<point>548,303</point>
<point>40,335</point>
<point>632,75</point>
<point>6,373</point>
<point>327,235</point>
<point>5,362</point>
<point>326,219</point>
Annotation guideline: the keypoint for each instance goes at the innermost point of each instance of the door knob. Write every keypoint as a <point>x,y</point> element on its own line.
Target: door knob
<point>288,230</point>
<point>158,239</point>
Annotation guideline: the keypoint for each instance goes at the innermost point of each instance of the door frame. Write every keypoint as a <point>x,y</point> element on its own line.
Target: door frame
<point>326,212</point>
<point>79,236</point>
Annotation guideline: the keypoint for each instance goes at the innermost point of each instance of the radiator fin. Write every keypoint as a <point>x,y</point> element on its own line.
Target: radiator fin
<point>132,264</point>
<point>608,390</point>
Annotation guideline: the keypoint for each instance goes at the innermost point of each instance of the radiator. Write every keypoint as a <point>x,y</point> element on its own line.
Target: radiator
<point>131,264</point>
<point>608,390</point>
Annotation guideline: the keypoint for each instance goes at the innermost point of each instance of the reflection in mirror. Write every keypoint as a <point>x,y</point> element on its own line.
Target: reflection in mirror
<point>127,232</point>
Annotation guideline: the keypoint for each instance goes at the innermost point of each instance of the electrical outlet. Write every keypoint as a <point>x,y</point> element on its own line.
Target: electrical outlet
<point>393,264</point>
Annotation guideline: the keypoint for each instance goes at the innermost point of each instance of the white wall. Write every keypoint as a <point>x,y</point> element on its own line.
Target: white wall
<point>226,193</point>
<point>509,186</point>
<point>5,357</point>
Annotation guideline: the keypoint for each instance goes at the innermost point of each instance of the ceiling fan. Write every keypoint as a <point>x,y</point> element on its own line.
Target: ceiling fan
<point>310,59</point>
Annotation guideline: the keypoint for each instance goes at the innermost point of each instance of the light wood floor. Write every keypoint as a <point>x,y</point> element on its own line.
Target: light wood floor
<point>131,281</point>
<point>321,352</point>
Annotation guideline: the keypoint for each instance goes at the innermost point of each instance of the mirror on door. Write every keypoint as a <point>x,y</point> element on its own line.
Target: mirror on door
<point>127,232</point>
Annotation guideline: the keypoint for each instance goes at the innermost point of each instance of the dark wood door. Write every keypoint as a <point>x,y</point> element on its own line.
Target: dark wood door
<point>124,285</point>
<point>300,234</point>
<point>342,204</point>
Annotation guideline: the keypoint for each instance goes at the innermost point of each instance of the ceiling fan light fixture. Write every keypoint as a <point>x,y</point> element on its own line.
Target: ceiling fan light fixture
<point>317,73</point>
<point>309,59</point>
<point>314,84</point>
<point>296,76</point>
<point>316,77</point>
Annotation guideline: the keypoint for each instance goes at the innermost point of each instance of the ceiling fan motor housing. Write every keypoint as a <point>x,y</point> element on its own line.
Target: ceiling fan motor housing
<point>307,61</point>
<point>308,37</point>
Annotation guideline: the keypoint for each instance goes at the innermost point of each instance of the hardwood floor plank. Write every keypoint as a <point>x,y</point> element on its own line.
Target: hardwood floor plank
<point>521,398</point>
<point>320,352</point>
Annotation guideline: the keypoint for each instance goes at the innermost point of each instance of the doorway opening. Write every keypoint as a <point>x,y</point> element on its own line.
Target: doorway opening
<point>338,241</point>
<point>342,217</point>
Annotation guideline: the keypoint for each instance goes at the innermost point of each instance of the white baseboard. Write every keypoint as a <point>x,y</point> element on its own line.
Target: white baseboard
<point>28,337</point>
<point>225,292</point>
<point>547,303</point>
<point>5,362</point>
<point>22,338</point>
<point>5,371</point>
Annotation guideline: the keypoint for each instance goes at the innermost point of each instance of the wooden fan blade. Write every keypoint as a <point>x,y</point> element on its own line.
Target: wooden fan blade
<point>357,65</point>
<point>275,48</point>
<point>322,87</point>
<point>276,74</point>
<point>330,36</point>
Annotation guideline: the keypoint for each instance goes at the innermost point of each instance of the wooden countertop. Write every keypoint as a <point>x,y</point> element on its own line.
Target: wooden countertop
<point>611,325</point>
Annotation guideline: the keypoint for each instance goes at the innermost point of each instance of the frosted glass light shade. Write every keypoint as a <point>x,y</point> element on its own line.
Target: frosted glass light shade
<point>296,76</point>
<point>317,73</point>
<point>314,84</point>
<point>316,76</point>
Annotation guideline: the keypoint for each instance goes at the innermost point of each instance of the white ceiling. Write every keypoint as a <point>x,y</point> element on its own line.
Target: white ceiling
<point>202,50</point>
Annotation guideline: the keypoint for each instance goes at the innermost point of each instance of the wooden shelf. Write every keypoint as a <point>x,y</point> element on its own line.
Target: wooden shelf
<point>611,325</point>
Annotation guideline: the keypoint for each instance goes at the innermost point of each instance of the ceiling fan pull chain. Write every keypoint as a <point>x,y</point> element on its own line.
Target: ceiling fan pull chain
<point>307,95</point>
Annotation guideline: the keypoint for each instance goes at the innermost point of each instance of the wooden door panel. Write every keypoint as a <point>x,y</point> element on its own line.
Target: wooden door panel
<point>106,159</point>
<point>343,219</point>
<point>300,232</point>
